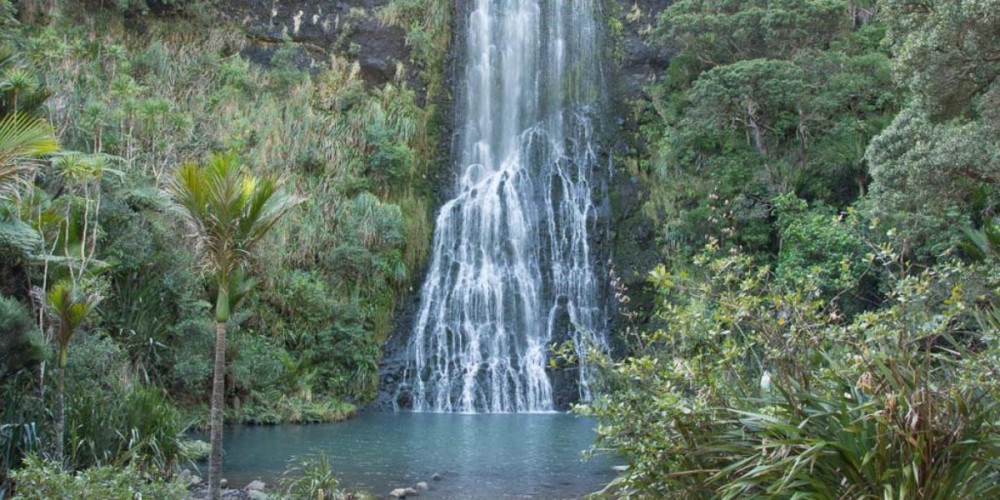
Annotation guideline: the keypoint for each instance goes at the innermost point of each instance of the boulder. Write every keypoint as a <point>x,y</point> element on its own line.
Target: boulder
<point>422,485</point>
<point>398,493</point>
<point>410,492</point>
<point>437,477</point>
<point>224,483</point>
<point>257,495</point>
<point>228,494</point>
<point>255,485</point>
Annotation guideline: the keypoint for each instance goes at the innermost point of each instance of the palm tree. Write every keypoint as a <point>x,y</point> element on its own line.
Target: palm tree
<point>68,307</point>
<point>229,212</point>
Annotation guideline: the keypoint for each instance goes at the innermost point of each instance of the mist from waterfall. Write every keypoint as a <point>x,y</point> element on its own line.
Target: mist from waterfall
<point>512,270</point>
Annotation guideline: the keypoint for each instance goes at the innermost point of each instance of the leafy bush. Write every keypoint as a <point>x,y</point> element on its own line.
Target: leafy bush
<point>191,373</point>
<point>20,344</point>
<point>819,244</point>
<point>194,450</point>
<point>111,417</point>
<point>758,390</point>
<point>308,412</point>
<point>40,480</point>
<point>257,369</point>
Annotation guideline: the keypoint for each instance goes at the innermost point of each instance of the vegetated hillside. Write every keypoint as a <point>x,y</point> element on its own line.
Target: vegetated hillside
<point>816,178</point>
<point>821,174</point>
<point>345,109</point>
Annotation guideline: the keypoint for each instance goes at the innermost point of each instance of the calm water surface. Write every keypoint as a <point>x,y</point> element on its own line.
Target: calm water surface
<point>480,456</point>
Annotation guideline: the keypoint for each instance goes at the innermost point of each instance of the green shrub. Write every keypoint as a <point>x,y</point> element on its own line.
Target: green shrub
<point>20,344</point>
<point>194,450</point>
<point>760,390</point>
<point>311,412</point>
<point>40,480</point>
<point>312,478</point>
<point>191,373</point>
<point>824,246</point>
<point>257,369</point>
<point>254,414</point>
<point>111,417</point>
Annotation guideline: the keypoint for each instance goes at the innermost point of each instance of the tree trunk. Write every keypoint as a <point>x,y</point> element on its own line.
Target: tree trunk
<point>60,421</point>
<point>757,142</point>
<point>218,391</point>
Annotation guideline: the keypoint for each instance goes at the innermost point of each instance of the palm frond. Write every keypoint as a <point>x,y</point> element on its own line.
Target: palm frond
<point>228,210</point>
<point>69,307</point>
<point>22,138</point>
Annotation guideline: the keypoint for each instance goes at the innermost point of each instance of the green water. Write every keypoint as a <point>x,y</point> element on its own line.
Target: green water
<point>479,456</point>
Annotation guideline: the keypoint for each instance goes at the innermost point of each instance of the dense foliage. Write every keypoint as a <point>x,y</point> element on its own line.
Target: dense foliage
<point>823,175</point>
<point>41,480</point>
<point>827,318</point>
<point>103,305</point>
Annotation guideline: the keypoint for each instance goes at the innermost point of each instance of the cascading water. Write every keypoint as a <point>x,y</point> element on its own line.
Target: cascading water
<point>512,270</point>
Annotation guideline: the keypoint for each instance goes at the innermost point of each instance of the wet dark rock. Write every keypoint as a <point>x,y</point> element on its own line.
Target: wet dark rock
<point>642,62</point>
<point>633,240</point>
<point>347,28</point>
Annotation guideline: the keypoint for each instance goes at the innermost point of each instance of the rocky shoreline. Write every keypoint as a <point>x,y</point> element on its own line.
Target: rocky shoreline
<point>255,490</point>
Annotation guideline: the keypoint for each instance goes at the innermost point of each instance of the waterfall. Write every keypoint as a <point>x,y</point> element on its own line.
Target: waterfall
<point>512,269</point>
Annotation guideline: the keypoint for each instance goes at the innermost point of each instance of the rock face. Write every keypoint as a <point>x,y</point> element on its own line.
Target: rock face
<point>323,27</point>
<point>633,235</point>
<point>642,64</point>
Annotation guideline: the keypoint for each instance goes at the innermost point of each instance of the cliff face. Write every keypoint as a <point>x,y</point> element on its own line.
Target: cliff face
<point>632,235</point>
<point>641,64</point>
<point>324,27</point>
